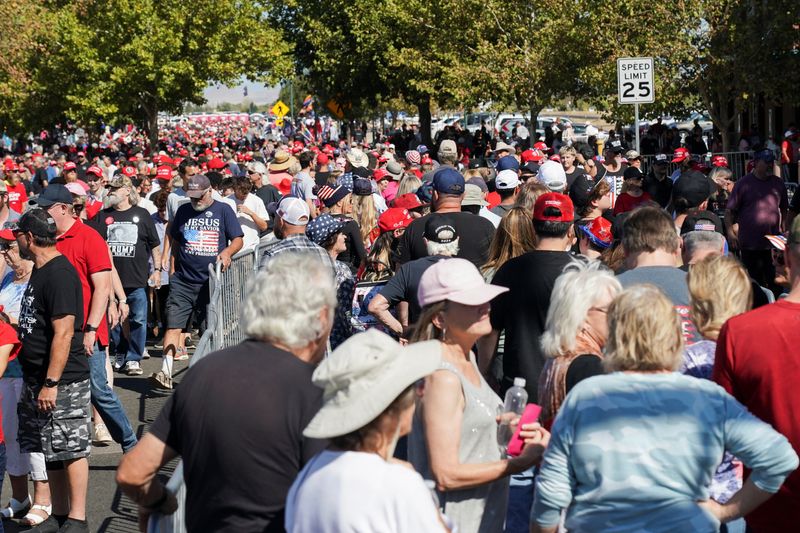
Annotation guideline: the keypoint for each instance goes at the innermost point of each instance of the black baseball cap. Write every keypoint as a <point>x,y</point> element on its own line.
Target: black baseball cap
<point>37,222</point>
<point>695,188</point>
<point>701,221</point>
<point>55,193</point>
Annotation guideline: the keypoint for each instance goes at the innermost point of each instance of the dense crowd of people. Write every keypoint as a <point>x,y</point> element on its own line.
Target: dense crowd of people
<point>646,303</point>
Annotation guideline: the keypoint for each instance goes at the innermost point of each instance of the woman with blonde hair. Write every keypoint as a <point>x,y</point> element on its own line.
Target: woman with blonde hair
<point>366,215</point>
<point>636,449</point>
<point>575,332</point>
<point>514,237</point>
<point>719,288</point>
<point>409,183</point>
<point>528,194</point>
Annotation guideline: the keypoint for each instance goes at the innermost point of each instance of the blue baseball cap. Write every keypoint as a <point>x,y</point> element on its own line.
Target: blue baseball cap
<point>448,180</point>
<point>53,194</point>
<point>764,155</point>
<point>508,162</point>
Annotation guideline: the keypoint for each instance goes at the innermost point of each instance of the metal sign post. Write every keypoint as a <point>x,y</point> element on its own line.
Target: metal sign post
<point>635,84</point>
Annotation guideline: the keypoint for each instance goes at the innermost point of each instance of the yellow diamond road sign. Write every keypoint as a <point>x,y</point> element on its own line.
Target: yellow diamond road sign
<point>280,109</point>
<point>279,122</point>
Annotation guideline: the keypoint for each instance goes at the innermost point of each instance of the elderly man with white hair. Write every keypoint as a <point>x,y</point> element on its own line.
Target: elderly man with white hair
<point>237,418</point>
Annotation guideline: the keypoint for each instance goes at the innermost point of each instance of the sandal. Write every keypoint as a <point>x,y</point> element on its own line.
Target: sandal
<point>16,508</point>
<point>32,519</point>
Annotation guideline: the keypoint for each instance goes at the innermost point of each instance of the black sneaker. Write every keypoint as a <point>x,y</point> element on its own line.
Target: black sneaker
<point>74,526</point>
<point>48,526</point>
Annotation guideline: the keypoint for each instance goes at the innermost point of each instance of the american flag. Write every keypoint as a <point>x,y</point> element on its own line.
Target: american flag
<point>201,238</point>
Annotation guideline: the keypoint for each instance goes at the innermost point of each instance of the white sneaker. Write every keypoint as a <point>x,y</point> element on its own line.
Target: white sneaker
<point>132,368</point>
<point>101,436</point>
<point>146,354</point>
<point>119,362</point>
<point>161,380</point>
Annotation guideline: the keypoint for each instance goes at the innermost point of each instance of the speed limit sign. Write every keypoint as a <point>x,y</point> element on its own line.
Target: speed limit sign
<point>635,83</point>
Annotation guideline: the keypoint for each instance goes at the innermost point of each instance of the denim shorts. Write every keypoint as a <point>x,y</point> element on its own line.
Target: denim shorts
<point>61,434</point>
<point>185,302</point>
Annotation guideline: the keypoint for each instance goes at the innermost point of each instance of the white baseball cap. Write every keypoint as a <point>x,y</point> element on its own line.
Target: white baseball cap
<point>506,179</point>
<point>553,176</point>
<point>294,211</point>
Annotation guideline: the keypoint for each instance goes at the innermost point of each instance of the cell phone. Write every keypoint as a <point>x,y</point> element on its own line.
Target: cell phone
<point>529,416</point>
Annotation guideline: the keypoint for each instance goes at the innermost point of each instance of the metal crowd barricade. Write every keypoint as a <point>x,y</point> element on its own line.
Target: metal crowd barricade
<point>737,162</point>
<point>227,293</point>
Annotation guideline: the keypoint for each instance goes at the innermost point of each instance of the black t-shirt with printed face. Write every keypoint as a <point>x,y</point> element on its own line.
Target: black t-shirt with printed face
<point>475,235</point>
<point>54,290</point>
<point>131,237</point>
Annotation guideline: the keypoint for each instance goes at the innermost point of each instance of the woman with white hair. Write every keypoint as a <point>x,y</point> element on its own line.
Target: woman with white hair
<point>575,331</point>
<point>635,450</point>
<point>371,383</point>
<point>237,418</point>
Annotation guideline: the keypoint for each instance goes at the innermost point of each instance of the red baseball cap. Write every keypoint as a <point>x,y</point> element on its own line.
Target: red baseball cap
<point>394,218</point>
<point>69,165</point>
<point>323,159</point>
<point>542,147</point>
<point>408,201</point>
<point>557,201</point>
<point>163,173</point>
<point>129,171</point>
<point>527,155</point>
<point>719,161</point>
<point>95,170</point>
<point>7,235</point>
<point>380,174</point>
<point>679,155</point>
<point>216,164</point>
<point>10,165</point>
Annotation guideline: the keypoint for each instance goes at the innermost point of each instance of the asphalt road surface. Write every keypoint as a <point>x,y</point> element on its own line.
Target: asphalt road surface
<point>108,509</point>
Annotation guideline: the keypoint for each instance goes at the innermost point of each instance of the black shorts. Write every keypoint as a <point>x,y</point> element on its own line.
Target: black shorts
<point>61,434</point>
<point>186,300</point>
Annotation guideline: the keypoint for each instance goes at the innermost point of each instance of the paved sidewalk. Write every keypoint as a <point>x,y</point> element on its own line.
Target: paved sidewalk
<point>108,510</point>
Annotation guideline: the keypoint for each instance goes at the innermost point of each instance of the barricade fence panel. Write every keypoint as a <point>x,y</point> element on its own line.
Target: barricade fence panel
<point>737,162</point>
<point>227,291</point>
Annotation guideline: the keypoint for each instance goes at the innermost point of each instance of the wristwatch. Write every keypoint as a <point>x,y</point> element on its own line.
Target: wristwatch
<point>89,328</point>
<point>50,383</point>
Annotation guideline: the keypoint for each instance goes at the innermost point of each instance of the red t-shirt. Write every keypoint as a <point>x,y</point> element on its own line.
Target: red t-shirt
<point>8,335</point>
<point>17,197</point>
<point>625,202</point>
<point>88,253</point>
<point>758,362</point>
<point>494,199</point>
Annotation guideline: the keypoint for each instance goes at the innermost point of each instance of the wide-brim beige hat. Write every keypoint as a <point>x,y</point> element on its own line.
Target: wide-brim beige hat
<point>363,376</point>
<point>357,158</point>
<point>282,161</point>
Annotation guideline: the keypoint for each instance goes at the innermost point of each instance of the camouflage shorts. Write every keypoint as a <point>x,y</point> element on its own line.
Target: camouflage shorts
<point>62,434</point>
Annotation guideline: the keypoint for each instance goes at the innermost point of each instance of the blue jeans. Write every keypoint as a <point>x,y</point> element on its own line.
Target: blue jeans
<point>132,349</point>
<point>520,501</point>
<point>106,402</point>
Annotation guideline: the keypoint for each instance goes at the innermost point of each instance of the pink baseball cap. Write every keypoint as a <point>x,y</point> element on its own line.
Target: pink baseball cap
<point>456,280</point>
<point>75,188</point>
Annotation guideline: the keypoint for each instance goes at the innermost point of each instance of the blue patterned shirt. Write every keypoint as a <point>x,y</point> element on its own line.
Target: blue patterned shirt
<point>635,452</point>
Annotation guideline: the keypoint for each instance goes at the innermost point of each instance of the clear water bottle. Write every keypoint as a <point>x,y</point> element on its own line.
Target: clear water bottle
<point>516,399</point>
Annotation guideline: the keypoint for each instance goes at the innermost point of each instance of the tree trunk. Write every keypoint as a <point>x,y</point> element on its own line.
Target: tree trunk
<point>535,109</point>
<point>424,107</point>
<point>151,110</point>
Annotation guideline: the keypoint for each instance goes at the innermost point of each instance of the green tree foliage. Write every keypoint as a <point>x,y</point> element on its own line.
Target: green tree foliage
<point>131,59</point>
